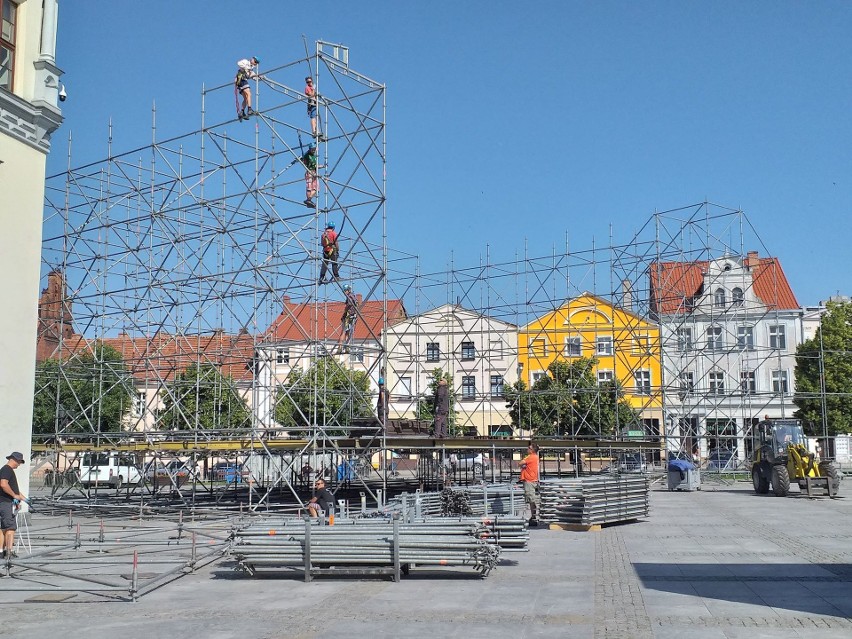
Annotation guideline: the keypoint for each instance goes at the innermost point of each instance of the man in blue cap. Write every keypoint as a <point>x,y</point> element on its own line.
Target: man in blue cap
<point>10,498</point>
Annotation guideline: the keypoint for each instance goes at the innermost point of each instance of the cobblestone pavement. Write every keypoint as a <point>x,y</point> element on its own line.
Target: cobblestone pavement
<point>721,563</point>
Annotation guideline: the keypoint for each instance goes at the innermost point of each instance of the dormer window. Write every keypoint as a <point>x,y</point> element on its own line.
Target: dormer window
<point>719,298</point>
<point>737,295</point>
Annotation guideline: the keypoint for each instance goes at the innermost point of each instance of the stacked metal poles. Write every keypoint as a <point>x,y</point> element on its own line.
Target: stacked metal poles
<point>600,499</point>
<point>367,546</point>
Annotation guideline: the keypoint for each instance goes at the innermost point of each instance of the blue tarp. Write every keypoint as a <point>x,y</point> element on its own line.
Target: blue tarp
<point>681,465</point>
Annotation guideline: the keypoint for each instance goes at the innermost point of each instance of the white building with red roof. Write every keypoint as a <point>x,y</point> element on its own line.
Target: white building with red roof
<point>730,328</point>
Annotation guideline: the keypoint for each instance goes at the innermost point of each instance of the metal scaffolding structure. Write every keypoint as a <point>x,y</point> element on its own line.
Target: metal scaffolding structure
<point>183,321</point>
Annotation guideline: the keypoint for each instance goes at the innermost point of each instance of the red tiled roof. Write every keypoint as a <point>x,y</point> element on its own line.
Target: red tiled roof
<point>322,321</point>
<point>676,286</point>
<point>162,356</point>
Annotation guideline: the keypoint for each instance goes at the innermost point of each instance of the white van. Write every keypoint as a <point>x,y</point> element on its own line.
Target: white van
<point>108,469</point>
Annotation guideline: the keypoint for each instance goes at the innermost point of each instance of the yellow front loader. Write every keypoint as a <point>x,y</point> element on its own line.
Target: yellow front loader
<point>782,457</point>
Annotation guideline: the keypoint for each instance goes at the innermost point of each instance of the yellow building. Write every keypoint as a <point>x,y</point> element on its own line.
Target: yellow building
<point>626,346</point>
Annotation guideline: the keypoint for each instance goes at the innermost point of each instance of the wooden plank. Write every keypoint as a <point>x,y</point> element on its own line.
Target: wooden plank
<point>575,527</point>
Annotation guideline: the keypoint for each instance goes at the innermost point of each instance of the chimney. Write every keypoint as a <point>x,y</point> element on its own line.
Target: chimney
<point>359,298</point>
<point>285,299</point>
<point>752,260</point>
<point>626,295</point>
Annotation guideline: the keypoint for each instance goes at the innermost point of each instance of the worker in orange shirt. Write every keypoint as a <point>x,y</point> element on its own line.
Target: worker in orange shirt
<point>529,478</point>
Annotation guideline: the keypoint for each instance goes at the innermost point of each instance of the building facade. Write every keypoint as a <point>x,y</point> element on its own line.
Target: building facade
<point>29,90</point>
<point>730,331</point>
<point>480,353</point>
<point>625,345</point>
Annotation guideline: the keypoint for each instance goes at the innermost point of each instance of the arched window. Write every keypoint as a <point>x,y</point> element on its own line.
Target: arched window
<point>719,297</point>
<point>737,295</point>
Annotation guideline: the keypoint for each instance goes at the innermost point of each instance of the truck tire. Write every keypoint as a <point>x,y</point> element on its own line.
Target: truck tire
<point>830,470</point>
<point>761,483</point>
<point>780,480</point>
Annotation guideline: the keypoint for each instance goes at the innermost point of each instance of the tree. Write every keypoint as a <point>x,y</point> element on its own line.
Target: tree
<point>202,397</point>
<point>426,402</point>
<point>88,393</point>
<point>569,401</point>
<point>326,395</point>
<point>829,352</point>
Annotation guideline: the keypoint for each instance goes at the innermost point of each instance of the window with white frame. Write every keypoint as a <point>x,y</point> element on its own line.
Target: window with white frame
<point>684,340</point>
<point>745,338</point>
<point>573,346</point>
<point>537,375</point>
<point>778,337</point>
<point>687,383</point>
<point>717,382</point>
<point>603,345</point>
<point>282,355</point>
<point>719,298</point>
<point>8,13</point>
<point>496,386</point>
<point>779,382</point>
<point>642,381</point>
<point>604,376</point>
<point>403,386</point>
<point>356,354</point>
<point>748,383</point>
<point>737,296</point>
<point>715,341</point>
<point>433,352</point>
<point>468,387</point>
<point>468,351</point>
<point>139,404</point>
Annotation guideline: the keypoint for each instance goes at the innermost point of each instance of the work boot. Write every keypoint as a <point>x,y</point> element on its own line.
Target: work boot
<point>533,522</point>
<point>250,111</point>
<point>310,203</point>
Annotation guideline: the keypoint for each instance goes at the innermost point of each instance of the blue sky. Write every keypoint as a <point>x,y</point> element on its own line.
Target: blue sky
<point>511,120</point>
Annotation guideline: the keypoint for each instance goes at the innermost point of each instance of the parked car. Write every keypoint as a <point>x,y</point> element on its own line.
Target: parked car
<point>175,471</point>
<point>108,469</point>
<point>467,460</point>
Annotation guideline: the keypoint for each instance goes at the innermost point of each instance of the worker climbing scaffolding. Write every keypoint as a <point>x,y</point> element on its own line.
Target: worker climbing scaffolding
<point>246,70</point>
<point>350,315</point>
<point>309,160</point>
<point>330,253</point>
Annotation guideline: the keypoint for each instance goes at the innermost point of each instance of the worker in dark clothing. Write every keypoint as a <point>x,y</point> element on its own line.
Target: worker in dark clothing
<point>309,160</point>
<point>350,315</point>
<point>383,403</point>
<point>330,253</point>
<point>322,501</point>
<point>441,406</point>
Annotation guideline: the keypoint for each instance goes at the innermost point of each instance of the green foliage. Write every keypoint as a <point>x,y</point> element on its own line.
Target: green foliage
<point>569,401</point>
<point>833,345</point>
<point>88,393</point>
<point>426,402</point>
<point>326,395</point>
<point>201,397</point>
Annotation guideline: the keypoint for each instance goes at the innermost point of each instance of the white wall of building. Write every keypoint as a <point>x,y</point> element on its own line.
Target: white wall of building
<point>28,115</point>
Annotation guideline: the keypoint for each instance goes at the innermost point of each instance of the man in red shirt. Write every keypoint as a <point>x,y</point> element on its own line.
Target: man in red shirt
<point>529,478</point>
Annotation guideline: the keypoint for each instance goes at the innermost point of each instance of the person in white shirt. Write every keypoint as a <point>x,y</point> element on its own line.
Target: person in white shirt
<point>246,70</point>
